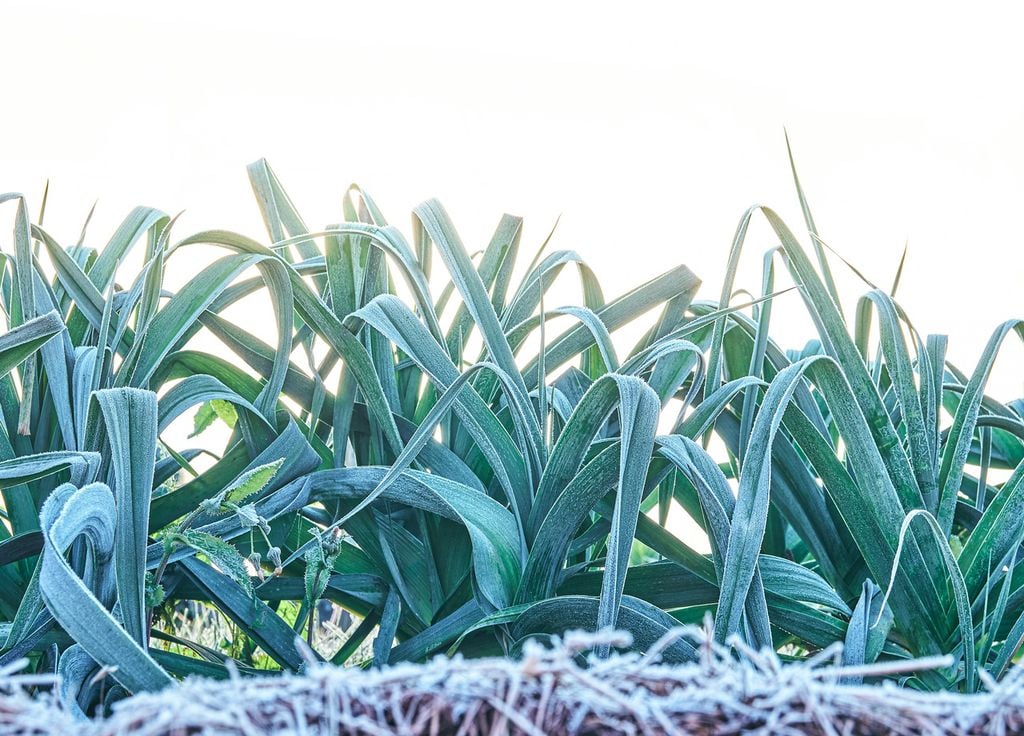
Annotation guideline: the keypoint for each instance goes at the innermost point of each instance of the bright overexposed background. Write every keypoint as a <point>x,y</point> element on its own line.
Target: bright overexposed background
<point>649,127</point>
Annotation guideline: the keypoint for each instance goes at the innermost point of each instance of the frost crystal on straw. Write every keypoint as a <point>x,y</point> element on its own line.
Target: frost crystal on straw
<point>548,691</point>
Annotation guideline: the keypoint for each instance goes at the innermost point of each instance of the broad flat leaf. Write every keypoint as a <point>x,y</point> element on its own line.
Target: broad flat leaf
<point>19,343</point>
<point>90,511</point>
<point>129,426</point>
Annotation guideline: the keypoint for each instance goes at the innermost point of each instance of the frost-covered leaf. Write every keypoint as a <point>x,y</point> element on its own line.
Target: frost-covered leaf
<point>248,515</point>
<point>252,481</point>
<point>223,554</point>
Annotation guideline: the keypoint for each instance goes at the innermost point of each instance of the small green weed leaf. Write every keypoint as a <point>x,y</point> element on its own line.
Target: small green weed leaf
<point>212,410</point>
<point>252,481</point>
<point>223,554</point>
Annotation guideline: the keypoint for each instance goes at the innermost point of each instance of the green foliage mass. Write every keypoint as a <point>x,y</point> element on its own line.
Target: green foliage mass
<point>416,443</point>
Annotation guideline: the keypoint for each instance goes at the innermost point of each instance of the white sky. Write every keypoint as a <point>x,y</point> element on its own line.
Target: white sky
<point>649,126</point>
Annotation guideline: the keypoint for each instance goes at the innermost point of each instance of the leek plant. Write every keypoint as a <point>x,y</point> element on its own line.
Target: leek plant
<point>93,543</point>
<point>417,444</point>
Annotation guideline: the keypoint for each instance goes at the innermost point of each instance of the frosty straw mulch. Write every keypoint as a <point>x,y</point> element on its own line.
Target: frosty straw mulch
<point>548,691</point>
